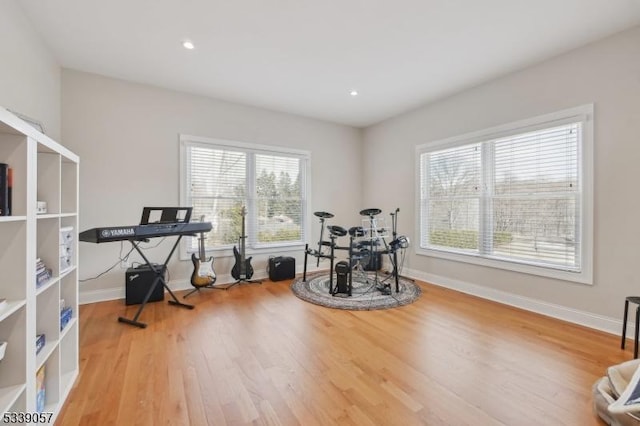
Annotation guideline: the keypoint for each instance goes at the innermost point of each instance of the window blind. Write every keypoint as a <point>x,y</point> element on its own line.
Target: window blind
<point>217,187</point>
<point>536,198</point>
<point>279,199</point>
<point>452,179</point>
<point>515,198</point>
<point>219,180</point>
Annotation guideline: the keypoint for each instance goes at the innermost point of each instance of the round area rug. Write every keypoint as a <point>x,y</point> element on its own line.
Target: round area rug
<point>366,293</point>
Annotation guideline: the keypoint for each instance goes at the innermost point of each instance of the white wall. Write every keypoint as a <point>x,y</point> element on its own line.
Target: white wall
<point>126,135</point>
<point>127,138</point>
<point>606,73</point>
<point>29,75</point>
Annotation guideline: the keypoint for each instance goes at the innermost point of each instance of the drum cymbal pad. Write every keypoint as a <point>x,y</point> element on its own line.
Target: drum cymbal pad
<point>356,231</point>
<point>337,230</point>
<point>323,215</point>
<point>370,212</point>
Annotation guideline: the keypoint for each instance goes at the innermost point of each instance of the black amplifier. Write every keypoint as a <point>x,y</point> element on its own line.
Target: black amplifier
<point>374,263</point>
<point>282,268</point>
<point>139,280</point>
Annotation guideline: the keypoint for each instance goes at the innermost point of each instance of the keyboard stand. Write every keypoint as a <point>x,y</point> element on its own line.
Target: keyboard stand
<point>158,280</point>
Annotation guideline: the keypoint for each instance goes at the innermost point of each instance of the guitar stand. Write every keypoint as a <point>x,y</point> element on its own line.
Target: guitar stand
<point>243,281</point>
<point>210,286</point>
<point>159,279</point>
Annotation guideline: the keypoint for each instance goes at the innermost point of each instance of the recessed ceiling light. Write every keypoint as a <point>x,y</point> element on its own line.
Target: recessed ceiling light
<point>188,45</point>
<point>353,93</point>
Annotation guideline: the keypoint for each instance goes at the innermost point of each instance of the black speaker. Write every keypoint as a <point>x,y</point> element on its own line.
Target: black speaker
<point>137,283</point>
<point>374,263</point>
<point>282,268</point>
<point>342,277</point>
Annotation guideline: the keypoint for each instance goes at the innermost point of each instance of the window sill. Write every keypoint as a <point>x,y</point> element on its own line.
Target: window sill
<point>257,251</point>
<point>584,277</point>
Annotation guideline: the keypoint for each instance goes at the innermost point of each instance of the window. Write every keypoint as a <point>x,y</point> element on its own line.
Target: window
<point>516,197</point>
<point>223,179</point>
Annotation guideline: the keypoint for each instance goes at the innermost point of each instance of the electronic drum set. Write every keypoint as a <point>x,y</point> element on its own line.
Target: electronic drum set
<point>366,244</point>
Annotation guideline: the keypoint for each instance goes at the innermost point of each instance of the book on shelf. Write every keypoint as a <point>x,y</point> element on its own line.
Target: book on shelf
<point>40,341</point>
<point>40,390</point>
<point>4,190</point>
<point>43,278</point>
<point>65,316</point>
<point>40,264</point>
<point>10,190</point>
<point>43,274</point>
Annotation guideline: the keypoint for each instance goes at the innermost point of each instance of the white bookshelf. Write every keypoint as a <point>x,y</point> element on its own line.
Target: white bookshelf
<point>43,170</point>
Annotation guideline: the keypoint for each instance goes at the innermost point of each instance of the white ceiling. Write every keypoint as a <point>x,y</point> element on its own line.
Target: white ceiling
<point>304,56</point>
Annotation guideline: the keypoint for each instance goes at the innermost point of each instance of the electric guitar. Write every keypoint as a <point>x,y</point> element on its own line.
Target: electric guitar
<point>203,274</point>
<point>242,270</point>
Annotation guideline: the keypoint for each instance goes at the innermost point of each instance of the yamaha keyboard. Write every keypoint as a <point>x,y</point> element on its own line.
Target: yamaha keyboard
<point>142,232</point>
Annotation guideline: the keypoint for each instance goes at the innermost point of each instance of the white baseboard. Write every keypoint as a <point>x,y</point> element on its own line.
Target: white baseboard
<point>102,295</point>
<point>587,319</point>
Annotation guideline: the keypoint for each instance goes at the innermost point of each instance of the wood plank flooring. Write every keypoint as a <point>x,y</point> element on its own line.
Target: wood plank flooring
<point>256,354</point>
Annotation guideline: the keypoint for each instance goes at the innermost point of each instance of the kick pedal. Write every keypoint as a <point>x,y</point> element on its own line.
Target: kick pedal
<point>384,289</point>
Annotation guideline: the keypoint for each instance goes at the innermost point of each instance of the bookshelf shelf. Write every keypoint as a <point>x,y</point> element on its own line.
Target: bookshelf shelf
<point>48,216</point>
<point>43,170</point>
<point>67,271</point>
<point>13,219</point>
<point>68,327</point>
<point>11,307</point>
<point>44,287</point>
<point>9,395</point>
<point>45,353</point>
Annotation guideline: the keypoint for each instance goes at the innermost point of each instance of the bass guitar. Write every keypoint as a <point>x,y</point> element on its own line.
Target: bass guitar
<point>242,270</point>
<point>203,274</point>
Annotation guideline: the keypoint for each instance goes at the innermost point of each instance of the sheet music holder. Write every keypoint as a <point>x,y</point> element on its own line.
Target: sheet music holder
<point>152,215</point>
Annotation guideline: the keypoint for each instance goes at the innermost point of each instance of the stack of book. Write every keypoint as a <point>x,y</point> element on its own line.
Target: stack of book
<point>6,183</point>
<point>40,341</point>
<point>66,313</point>
<point>43,274</point>
<point>65,316</point>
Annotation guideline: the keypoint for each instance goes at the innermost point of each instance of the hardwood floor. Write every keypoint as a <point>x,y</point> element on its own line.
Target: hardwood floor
<point>256,354</point>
